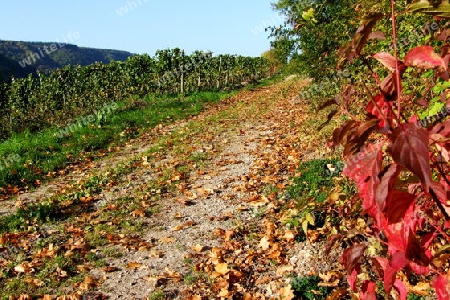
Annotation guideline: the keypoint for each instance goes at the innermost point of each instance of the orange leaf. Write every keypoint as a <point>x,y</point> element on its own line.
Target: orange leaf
<point>133,265</point>
<point>138,213</point>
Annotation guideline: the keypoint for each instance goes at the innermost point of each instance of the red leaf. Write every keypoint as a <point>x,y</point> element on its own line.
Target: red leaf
<point>364,168</point>
<point>379,265</point>
<point>368,290</point>
<point>419,270</point>
<point>357,136</point>
<point>350,259</point>
<point>441,285</point>
<point>351,278</point>
<point>439,191</point>
<point>410,149</point>
<point>400,287</point>
<point>327,104</point>
<point>398,261</point>
<point>424,57</point>
<point>443,35</point>
<point>340,133</point>
<point>386,184</point>
<point>380,109</point>
<point>377,35</point>
<point>399,204</point>
<point>364,31</point>
<point>331,241</point>
<point>386,60</point>
<point>388,87</point>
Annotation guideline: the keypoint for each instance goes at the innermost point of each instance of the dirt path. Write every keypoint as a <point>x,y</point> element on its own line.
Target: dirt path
<point>210,202</point>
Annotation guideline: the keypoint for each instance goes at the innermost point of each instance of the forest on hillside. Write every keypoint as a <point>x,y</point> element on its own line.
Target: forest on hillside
<point>19,58</point>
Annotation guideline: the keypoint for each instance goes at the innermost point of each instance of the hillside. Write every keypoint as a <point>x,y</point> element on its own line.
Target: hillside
<point>9,67</point>
<point>22,58</point>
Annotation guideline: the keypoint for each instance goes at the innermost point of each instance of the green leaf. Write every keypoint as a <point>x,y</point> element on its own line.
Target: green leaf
<point>310,218</point>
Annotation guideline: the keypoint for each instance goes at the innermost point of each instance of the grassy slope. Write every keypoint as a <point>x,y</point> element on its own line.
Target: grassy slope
<point>29,157</point>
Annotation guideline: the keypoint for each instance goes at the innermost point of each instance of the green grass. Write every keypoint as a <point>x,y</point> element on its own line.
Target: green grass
<point>314,182</point>
<point>307,288</point>
<point>27,157</point>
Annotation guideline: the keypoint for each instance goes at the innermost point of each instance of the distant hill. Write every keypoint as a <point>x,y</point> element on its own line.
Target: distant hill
<point>19,59</point>
<point>9,68</point>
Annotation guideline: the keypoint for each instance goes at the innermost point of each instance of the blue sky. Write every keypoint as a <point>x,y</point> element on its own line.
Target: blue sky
<point>143,26</point>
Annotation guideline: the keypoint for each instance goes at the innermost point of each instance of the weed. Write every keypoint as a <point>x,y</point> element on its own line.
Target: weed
<point>307,288</point>
<point>314,183</point>
<point>157,295</point>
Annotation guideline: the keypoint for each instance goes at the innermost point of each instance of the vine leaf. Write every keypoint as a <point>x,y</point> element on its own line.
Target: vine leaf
<point>424,57</point>
<point>381,109</point>
<point>364,168</point>
<point>401,288</point>
<point>441,285</point>
<point>354,48</point>
<point>387,60</point>
<point>377,35</point>
<point>368,290</point>
<point>340,134</point>
<point>350,259</point>
<point>409,148</point>
<point>357,136</point>
<point>329,118</point>
<point>386,184</point>
<point>398,204</point>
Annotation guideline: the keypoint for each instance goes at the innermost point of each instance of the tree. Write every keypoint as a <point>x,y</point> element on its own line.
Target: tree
<point>313,32</point>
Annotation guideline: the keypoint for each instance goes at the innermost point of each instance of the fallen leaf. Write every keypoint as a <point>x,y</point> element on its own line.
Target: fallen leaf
<point>222,268</point>
<point>84,268</point>
<point>138,213</point>
<point>110,269</point>
<point>24,267</point>
<point>198,248</point>
<point>284,269</point>
<point>289,236</point>
<point>34,281</point>
<point>178,228</point>
<point>89,283</point>
<point>133,265</point>
<point>156,254</point>
<point>286,293</point>
<point>264,243</point>
<point>184,201</point>
<point>167,240</point>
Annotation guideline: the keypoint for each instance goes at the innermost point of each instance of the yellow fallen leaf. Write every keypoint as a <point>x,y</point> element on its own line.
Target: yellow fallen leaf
<point>133,265</point>
<point>222,268</point>
<point>198,248</point>
<point>289,236</point>
<point>34,281</point>
<point>264,243</point>
<point>286,293</point>
<point>156,254</point>
<point>178,228</point>
<point>284,269</point>
<point>167,240</point>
